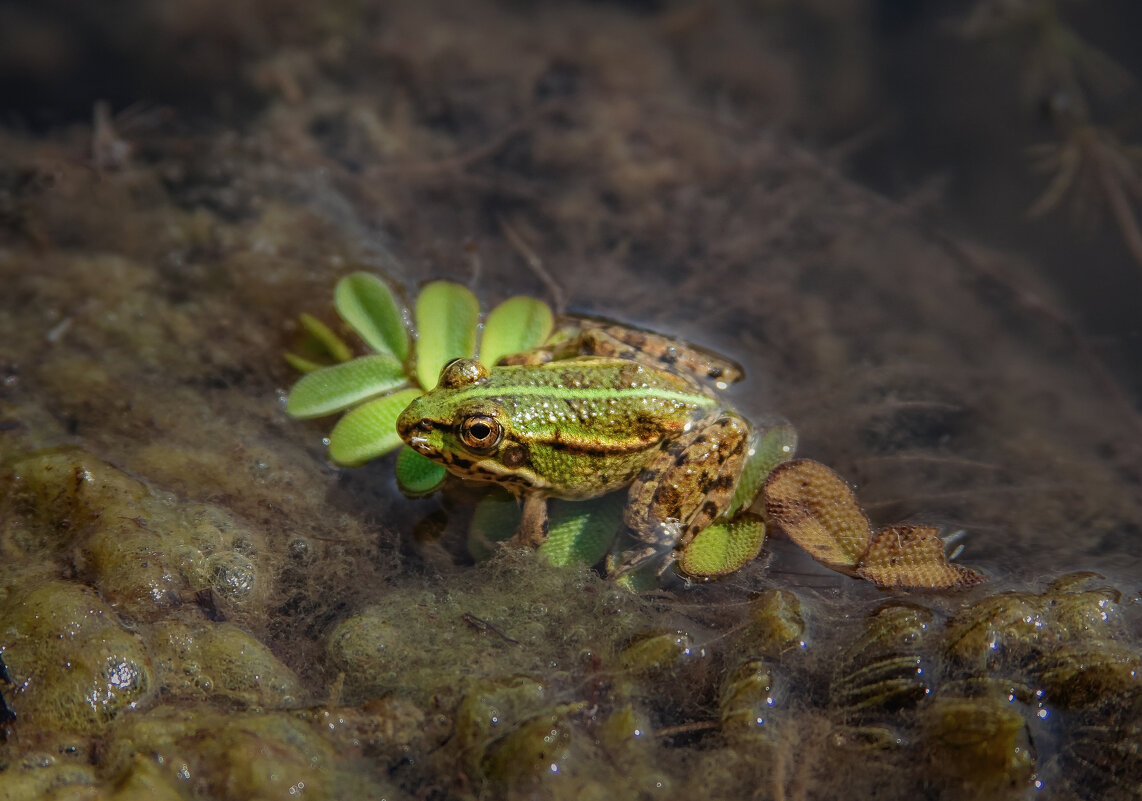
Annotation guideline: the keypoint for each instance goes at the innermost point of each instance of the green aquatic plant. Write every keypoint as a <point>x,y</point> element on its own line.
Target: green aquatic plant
<point>375,387</point>
<point>623,456</point>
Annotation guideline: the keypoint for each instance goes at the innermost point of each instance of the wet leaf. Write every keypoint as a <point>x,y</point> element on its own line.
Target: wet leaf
<point>367,305</point>
<point>418,475</point>
<point>723,547</point>
<point>535,747</point>
<point>302,364</point>
<point>982,741</point>
<point>369,430</point>
<point>913,556</point>
<point>331,389</point>
<point>516,325</point>
<point>328,341</point>
<point>580,532</point>
<point>772,447</point>
<point>818,511</point>
<point>446,317</point>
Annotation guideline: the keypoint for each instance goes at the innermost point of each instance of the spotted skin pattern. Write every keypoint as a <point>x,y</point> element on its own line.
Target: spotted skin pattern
<point>690,484</point>
<point>583,427</point>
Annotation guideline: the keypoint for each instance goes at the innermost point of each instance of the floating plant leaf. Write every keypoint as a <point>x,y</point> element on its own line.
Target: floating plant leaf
<point>418,475</point>
<point>580,532</point>
<point>369,430</point>
<point>369,308</point>
<point>327,340</point>
<point>818,511</point>
<point>331,389</point>
<point>446,317</point>
<point>301,364</point>
<point>774,446</point>
<point>913,556</point>
<point>518,324</point>
<point>723,547</point>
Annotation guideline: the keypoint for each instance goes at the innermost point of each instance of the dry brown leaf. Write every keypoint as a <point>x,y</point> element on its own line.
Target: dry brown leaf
<point>818,511</point>
<point>913,556</point>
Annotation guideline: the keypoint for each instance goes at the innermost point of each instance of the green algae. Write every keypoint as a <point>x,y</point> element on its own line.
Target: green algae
<point>219,660</point>
<point>145,307</point>
<point>76,667</point>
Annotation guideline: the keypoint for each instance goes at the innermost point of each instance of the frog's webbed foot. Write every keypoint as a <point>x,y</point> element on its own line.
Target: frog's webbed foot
<point>642,555</point>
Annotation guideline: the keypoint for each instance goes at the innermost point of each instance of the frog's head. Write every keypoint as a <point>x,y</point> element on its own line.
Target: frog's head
<point>466,430</point>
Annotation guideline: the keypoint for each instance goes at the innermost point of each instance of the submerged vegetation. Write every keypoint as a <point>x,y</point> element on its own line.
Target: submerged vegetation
<point>196,604</point>
<point>1074,82</point>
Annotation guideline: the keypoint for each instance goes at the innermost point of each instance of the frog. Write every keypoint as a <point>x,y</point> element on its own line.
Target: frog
<point>628,410</point>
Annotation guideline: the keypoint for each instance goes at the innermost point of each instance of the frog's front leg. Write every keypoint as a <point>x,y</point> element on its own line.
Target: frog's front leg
<point>532,530</point>
<point>685,488</point>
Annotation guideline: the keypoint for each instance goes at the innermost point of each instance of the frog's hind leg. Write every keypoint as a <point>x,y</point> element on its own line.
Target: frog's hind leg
<point>659,351</point>
<point>690,484</point>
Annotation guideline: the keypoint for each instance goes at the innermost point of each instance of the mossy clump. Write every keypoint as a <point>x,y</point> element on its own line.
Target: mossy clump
<point>216,754</point>
<point>145,554</point>
<point>73,664</point>
<point>220,660</point>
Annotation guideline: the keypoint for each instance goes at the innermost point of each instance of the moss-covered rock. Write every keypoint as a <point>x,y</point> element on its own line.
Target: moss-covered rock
<point>220,660</point>
<point>74,667</point>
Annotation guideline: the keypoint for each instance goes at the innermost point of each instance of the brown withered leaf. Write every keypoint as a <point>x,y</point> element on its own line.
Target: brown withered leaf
<point>818,511</point>
<point>913,556</point>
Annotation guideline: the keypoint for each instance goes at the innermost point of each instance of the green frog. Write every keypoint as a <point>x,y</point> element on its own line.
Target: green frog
<point>585,426</point>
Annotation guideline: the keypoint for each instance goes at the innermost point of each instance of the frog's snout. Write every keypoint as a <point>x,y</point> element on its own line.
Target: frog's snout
<point>414,431</point>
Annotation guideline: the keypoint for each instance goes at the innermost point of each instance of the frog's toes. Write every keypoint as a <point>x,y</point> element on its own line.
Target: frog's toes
<point>640,556</point>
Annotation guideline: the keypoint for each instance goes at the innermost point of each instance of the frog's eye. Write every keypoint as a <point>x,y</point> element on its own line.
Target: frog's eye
<point>481,433</point>
<point>461,373</point>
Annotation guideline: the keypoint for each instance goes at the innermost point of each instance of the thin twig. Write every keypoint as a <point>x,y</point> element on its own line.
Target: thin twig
<point>535,263</point>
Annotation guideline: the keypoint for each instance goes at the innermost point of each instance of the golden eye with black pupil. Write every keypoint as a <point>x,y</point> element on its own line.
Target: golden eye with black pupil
<point>481,433</point>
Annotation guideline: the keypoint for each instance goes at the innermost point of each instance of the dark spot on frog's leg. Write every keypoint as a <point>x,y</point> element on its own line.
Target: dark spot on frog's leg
<point>647,475</point>
<point>669,502</point>
<point>723,483</point>
<point>710,510</point>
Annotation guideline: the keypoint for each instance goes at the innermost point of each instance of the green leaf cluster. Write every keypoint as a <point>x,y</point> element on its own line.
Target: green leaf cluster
<point>407,354</point>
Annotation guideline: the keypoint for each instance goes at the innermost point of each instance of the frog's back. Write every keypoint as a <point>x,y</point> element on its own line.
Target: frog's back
<point>605,400</point>
<point>591,424</point>
<point>573,428</point>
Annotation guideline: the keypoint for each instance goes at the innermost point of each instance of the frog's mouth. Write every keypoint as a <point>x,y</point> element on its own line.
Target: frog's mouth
<point>415,432</point>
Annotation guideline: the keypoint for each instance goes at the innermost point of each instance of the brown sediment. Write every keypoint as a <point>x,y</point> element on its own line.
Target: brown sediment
<point>234,601</point>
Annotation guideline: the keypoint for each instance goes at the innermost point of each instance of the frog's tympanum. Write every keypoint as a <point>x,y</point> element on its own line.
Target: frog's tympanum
<point>582,427</point>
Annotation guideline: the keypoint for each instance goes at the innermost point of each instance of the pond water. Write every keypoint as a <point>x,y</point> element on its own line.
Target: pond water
<point>194,603</point>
